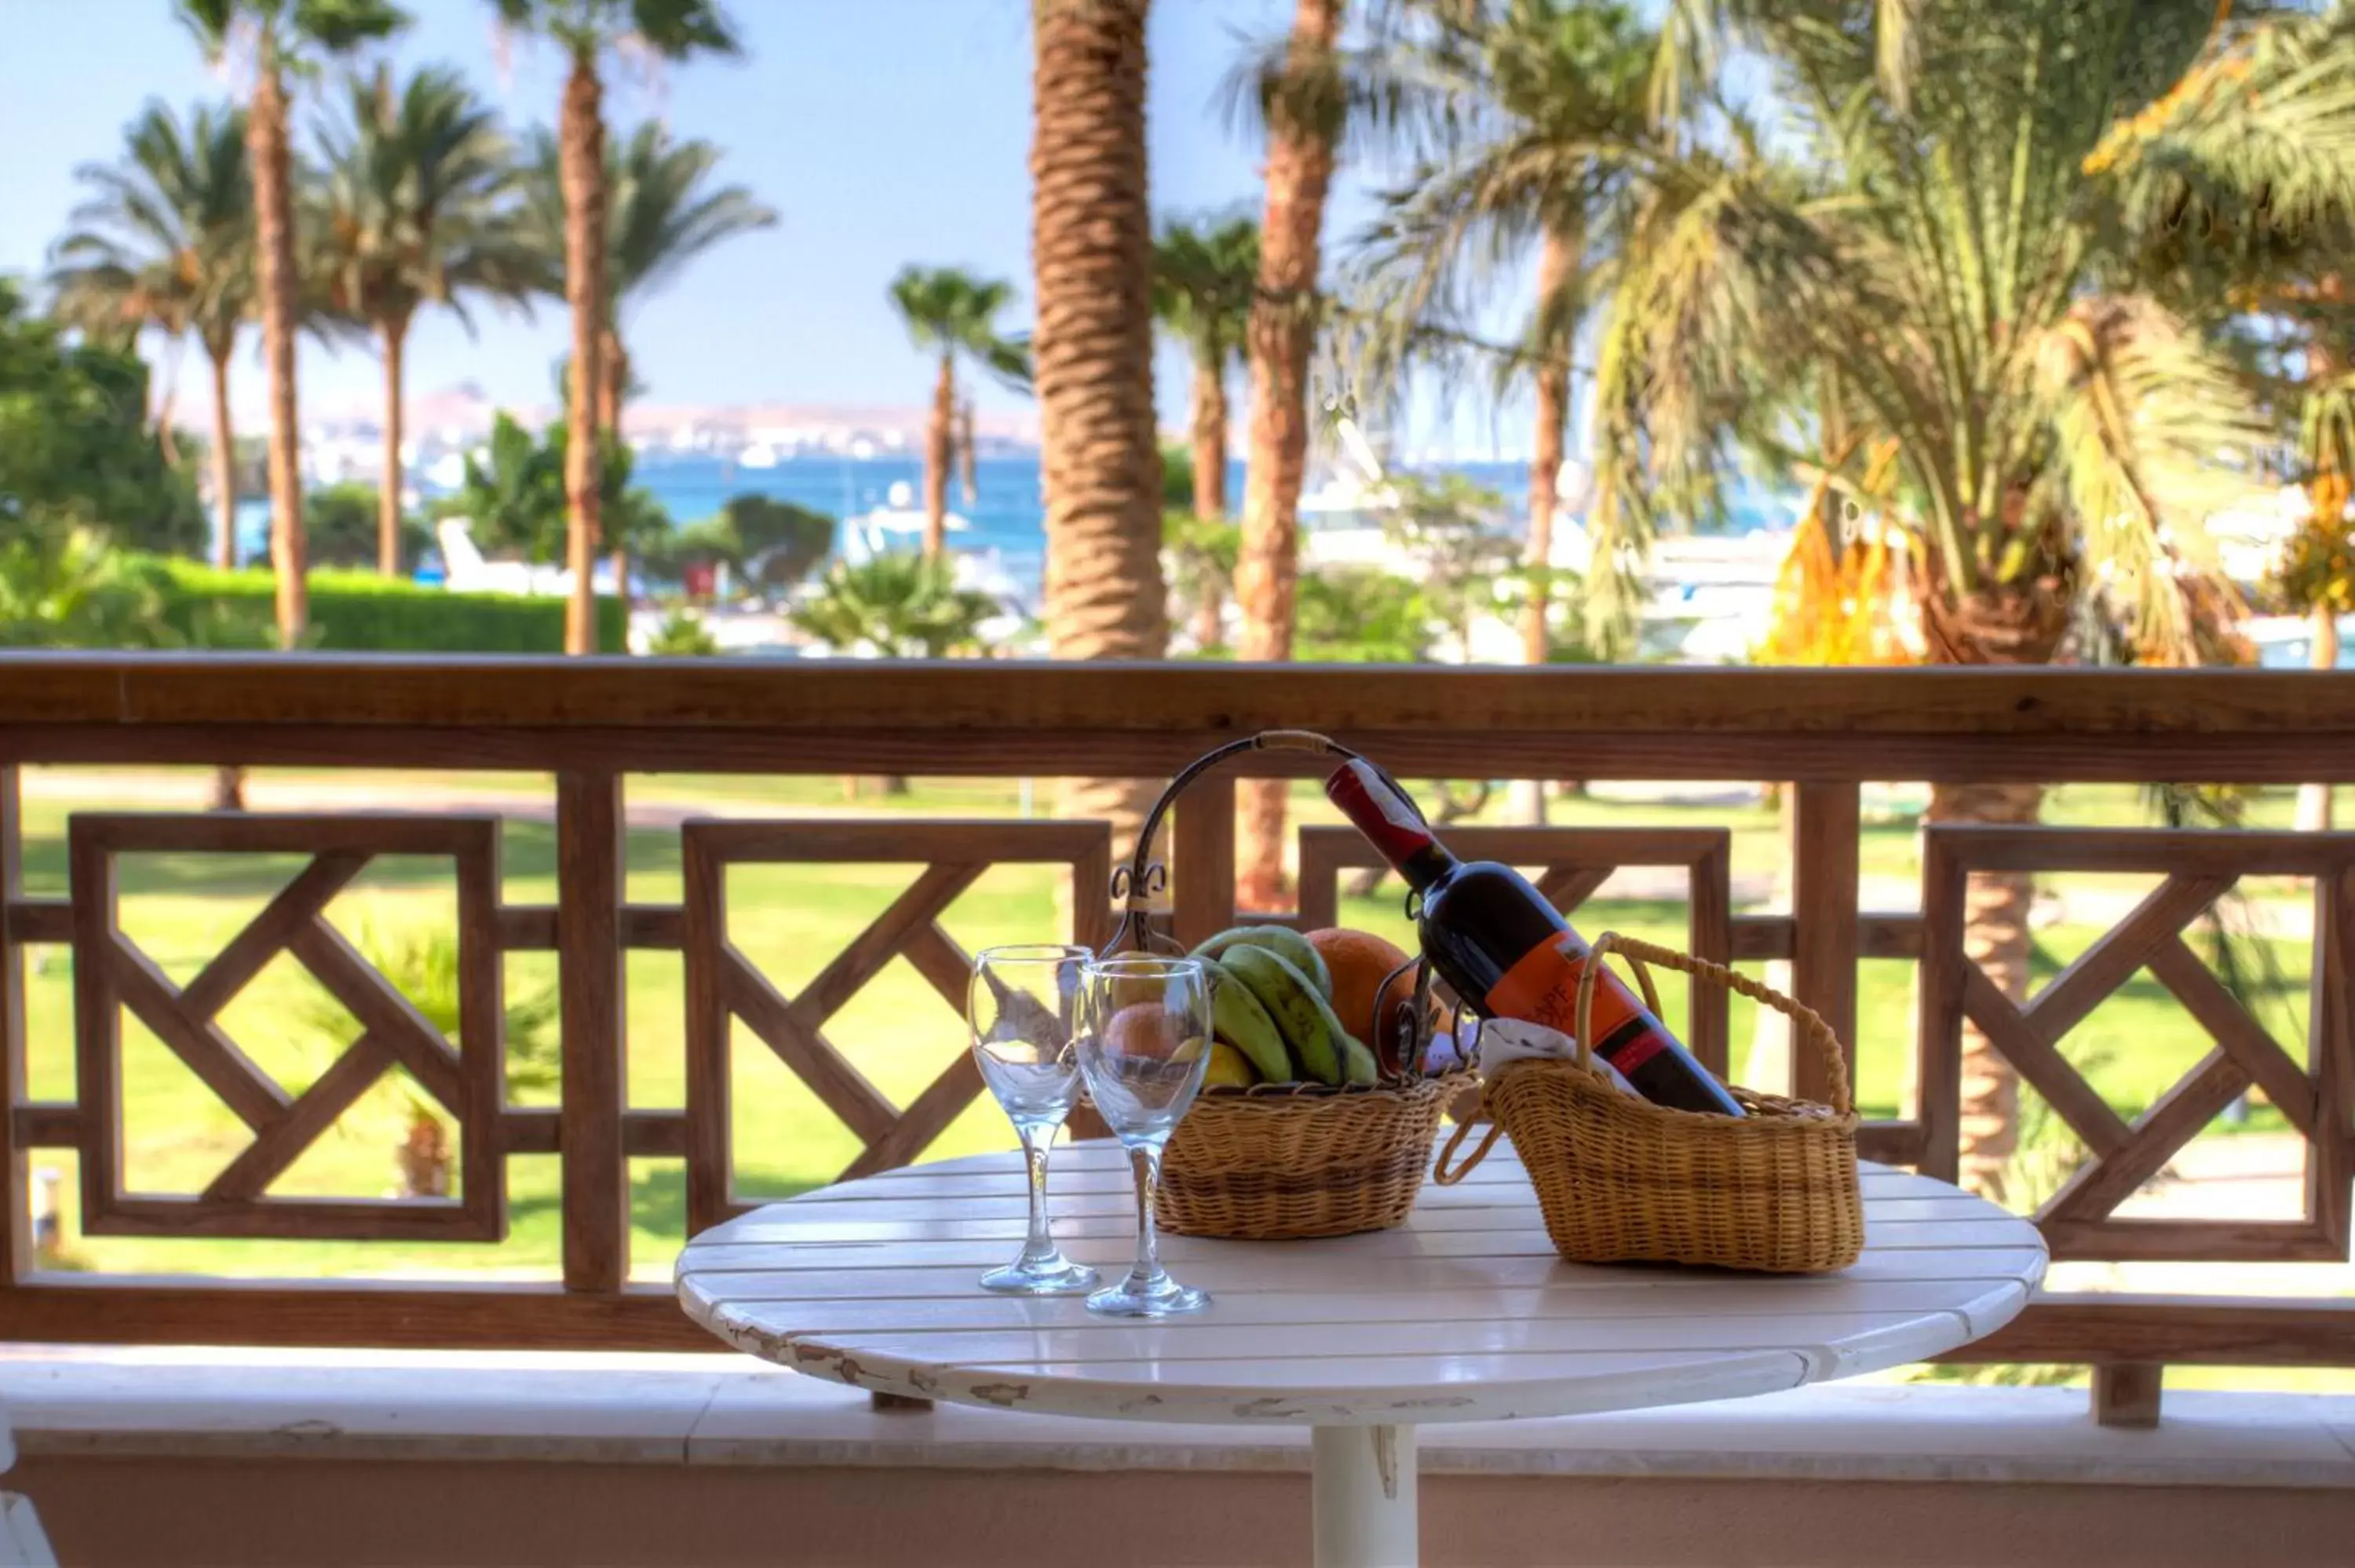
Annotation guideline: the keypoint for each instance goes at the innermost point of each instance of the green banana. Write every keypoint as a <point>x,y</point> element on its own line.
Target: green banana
<point>1243,1023</point>
<point>1299,1009</point>
<point>1358,1064</point>
<point>1287,944</point>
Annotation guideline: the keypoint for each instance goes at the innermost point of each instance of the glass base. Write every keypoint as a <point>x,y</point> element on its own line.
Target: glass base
<point>1156,1295</point>
<point>1053,1275</point>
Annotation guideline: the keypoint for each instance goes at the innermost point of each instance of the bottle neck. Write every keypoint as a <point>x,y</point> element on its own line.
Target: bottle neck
<point>1424,870</point>
<point>1389,822</point>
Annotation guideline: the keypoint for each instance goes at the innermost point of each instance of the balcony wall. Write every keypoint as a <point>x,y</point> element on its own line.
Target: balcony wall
<point>472,1460</point>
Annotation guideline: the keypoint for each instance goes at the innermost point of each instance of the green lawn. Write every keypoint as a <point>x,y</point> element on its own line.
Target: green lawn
<point>180,909</point>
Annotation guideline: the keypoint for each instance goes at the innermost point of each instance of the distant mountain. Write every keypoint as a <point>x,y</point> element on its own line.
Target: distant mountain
<point>460,415</point>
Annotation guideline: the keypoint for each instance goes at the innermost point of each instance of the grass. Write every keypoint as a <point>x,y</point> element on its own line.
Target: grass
<point>790,921</point>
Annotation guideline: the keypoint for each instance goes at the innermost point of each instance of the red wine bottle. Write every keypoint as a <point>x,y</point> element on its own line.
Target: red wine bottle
<point>1510,954</point>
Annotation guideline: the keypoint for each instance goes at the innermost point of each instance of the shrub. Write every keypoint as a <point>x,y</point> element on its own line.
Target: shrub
<point>361,612</point>
<point>681,635</point>
<point>341,522</point>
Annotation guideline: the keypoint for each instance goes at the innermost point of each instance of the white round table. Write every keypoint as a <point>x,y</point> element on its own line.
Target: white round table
<point>1464,1313</point>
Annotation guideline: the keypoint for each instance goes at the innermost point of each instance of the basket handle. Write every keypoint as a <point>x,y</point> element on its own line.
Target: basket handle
<point>1136,883</point>
<point>1446,1178</point>
<point>1638,953</point>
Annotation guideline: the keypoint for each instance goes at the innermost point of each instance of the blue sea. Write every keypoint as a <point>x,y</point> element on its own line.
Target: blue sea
<point>1007,514</point>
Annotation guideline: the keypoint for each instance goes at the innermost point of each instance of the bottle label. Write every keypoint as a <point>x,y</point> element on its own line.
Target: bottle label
<point>1542,987</point>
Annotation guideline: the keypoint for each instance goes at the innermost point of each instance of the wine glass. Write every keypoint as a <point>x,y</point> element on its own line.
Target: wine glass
<point>1144,1044</point>
<point>1021,1006</point>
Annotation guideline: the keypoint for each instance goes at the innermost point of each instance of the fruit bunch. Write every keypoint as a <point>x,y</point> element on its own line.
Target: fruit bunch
<point>1288,1008</point>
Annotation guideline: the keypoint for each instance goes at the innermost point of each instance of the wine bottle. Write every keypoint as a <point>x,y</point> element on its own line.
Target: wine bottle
<point>1510,954</point>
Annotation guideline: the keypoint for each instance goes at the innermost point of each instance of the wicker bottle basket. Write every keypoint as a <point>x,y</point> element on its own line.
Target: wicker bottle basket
<point>1280,1162</point>
<point>1622,1180</point>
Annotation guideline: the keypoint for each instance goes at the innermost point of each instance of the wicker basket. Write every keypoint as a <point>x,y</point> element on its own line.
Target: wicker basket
<point>1282,1161</point>
<point>1278,1160</point>
<point>1622,1180</point>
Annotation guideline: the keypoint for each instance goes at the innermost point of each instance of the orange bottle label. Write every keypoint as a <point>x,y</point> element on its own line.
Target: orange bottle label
<point>1542,988</point>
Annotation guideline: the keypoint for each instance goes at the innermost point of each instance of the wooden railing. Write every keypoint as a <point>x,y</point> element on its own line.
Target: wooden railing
<point>591,723</point>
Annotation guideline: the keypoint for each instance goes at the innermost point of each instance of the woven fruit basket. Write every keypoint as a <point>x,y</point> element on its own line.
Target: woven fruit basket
<point>1620,1180</point>
<point>1336,1136</point>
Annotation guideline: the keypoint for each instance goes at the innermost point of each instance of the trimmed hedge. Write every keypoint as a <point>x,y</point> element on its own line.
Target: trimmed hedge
<point>361,612</point>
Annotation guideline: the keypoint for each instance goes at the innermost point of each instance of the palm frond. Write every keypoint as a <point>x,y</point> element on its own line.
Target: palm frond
<point>2146,423</point>
<point>164,237</point>
<point>415,203</point>
<point>1205,278</point>
<point>951,312</point>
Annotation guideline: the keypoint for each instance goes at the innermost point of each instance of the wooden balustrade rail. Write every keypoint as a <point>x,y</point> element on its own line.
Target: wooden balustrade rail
<point>591,722</point>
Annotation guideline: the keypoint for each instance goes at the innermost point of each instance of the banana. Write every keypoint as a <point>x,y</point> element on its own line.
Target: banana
<point>1299,1009</point>
<point>1358,1064</point>
<point>1285,943</point>
<point>1243,1023</point>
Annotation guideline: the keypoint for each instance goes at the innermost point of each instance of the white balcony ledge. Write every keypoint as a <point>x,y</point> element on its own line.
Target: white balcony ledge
<point>158,1455</point>
<point>154,1402</point>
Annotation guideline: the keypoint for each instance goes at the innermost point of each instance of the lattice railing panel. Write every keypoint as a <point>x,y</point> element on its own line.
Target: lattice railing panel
<point>113,974</point>
<point>2196,869</point>
<point>724,986</point>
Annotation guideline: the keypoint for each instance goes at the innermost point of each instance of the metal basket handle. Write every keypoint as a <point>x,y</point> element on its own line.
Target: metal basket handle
<point>1138,884</point>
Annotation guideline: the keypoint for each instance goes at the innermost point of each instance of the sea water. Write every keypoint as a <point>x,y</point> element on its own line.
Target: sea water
<point>1006,516</point>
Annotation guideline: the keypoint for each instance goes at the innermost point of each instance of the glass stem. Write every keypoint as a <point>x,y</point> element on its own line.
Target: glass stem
<point>1036,1144</point>
<point>1145,1160</point>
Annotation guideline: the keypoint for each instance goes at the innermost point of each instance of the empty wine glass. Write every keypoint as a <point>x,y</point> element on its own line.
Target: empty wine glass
<point>1144,1044</point>
<point>1021,1005</point>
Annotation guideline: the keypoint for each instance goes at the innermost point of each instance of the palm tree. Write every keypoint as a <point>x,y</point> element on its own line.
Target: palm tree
<point>1304,110</point>
<point>585,30</point>
<point>896,605</point>
<point>949,313</point>
<point>415,210</point>
<point>166,241</point>
<point>1203,279</point>
<point>659,217</point>
<point>284,36</point>
<point>1091,260</point>
<point>1957,263</point>
<point>1530,108</point>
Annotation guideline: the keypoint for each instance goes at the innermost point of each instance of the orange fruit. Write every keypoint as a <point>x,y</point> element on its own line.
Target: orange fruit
<point>1360,961</point>
<point>1143,1029</point>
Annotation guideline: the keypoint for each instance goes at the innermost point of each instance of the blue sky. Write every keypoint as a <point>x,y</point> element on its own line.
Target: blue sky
<point>884,131</point>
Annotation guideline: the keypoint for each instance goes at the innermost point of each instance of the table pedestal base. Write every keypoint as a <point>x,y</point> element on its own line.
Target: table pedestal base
<point>1363,1481</point>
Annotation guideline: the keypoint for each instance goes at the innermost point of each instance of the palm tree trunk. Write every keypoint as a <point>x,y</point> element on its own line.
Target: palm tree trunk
<point>1555,263</point>
<point>1210,438</point>
<point>387,499</point>
<point>273,225</point>
<point>968,456</point>
<point>1092,249</point>
<point>2000,625</point>
<point>614,383</point>
<point>612,380</point>
<point>940,435</point>
<point>581,142</point>
<point>1211,434</point>
<point>1282,333</point>
<point>2314,800</point>
<point>227,792</point>
<point>228,783</point>
<point>1994,938</point>
<point>1210,627</point>
<point>224,466</point>
<point>165,441</point>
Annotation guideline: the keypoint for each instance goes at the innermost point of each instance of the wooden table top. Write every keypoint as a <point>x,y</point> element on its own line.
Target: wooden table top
<point>1463,1313</point>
